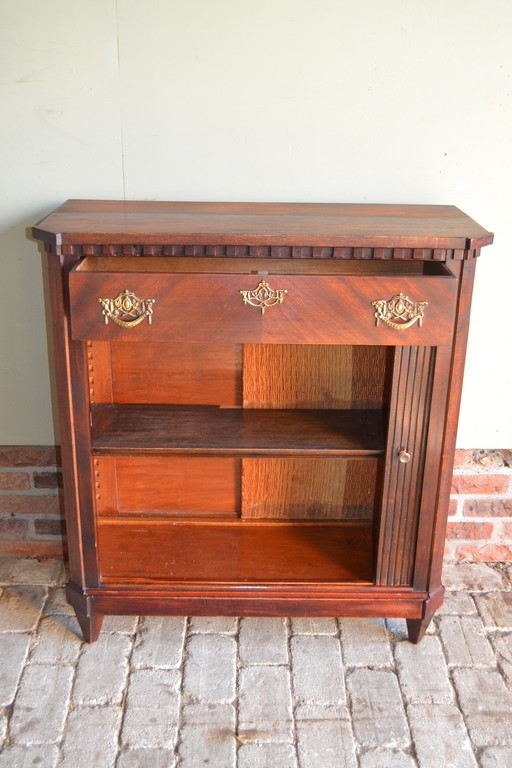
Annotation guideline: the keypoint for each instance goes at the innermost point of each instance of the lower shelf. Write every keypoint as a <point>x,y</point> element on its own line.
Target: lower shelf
<point>234,552</point>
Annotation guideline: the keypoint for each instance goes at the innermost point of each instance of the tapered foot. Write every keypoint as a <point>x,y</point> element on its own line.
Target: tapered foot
<point>89,618</point>
<point>417,628</point>
<point>90,625</point>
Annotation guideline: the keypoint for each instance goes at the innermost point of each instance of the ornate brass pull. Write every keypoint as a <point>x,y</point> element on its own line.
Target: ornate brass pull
<point>263,296</point>
<point>126,309</point>
<point>399,312</point>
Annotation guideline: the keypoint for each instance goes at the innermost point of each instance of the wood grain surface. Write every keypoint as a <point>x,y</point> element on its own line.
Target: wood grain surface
<point>309,489</point>
<point>157,486</point>
<point>89,221</point>
<point>207,430</point>
<point>316,309</point>
<point>234,552</point>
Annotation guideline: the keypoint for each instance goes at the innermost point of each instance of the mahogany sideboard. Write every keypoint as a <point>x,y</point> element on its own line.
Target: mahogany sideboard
<point>258,404</point>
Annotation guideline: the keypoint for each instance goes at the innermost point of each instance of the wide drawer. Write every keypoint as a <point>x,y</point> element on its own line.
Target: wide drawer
<point>279,308</point>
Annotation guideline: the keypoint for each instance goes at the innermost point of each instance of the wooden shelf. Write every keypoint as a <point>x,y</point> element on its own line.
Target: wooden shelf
<point>237,552</point>
<point>212,431</point>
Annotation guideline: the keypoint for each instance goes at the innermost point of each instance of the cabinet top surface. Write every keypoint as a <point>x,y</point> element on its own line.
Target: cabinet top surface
<point>315,224</point>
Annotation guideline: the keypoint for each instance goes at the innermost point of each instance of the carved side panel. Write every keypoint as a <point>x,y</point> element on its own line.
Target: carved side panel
<point>408,418</point>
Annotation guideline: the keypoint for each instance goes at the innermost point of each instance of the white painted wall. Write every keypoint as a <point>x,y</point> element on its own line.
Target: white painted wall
<point>333,100</point>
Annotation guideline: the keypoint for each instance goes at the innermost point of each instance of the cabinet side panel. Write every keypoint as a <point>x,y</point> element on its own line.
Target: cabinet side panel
<point>409,413</point>
<point>105,486</point>
<point>71,365</point>
<point>432,533</point>
<point>99,368</point>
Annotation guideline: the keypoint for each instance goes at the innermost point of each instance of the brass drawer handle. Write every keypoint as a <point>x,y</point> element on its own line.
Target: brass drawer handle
<point>399,312</point>
<point>404,457</point>
<point>127,309</point>
<point>263,296</point>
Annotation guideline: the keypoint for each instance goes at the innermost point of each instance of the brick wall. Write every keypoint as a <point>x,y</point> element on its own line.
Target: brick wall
<point>31,505</point>
<point>480,522</point>
<point>479,527</point>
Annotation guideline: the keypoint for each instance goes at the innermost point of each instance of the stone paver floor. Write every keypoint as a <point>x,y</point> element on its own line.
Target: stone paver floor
<point>257,692</point>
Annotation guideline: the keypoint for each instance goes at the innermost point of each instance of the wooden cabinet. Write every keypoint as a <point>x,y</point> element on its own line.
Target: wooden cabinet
<point>258,404</point>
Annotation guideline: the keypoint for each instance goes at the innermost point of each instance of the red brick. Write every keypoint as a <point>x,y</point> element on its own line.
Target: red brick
<point>488,459</point>
<point>35,505</point>
<point>47,479</point>
<point>484,484</point>
<point>452,509</point>
<point>33,548</point>
<point>470,530</point>
<point>13,528</point>
<point>490,553</point>
<point>463,459</point>
<point>14,481</point>
<point>29,456</point>
<point>507,530</point>
<point>487,508</point>
<point>48,527</point>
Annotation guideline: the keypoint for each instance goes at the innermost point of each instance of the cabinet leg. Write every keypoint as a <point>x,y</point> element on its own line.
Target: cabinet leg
<point>89,624</point>
<point>417,628</point>
<point>89,618</point>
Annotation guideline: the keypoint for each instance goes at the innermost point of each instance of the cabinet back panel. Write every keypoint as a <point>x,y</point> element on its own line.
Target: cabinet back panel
<point>183,374</point>
<point>371,376</point>
<point>274,375</point>
<point>316,376</point>
<point>309,489</point>
<point>164,486</point>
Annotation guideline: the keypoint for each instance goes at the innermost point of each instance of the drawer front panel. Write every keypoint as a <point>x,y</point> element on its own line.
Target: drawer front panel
<point>288,309</point>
